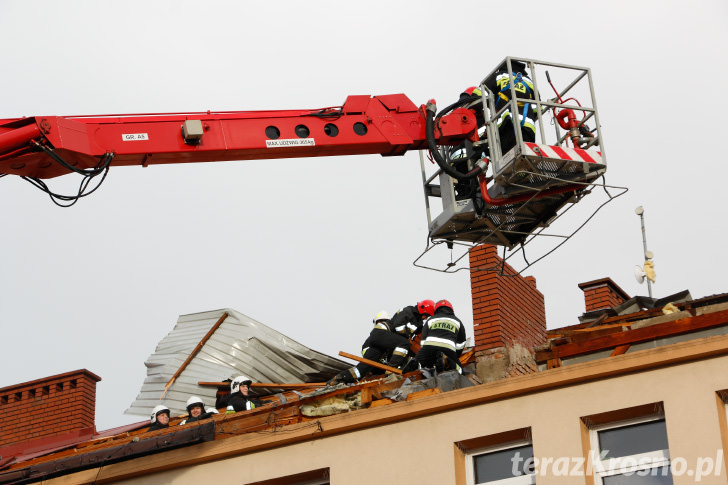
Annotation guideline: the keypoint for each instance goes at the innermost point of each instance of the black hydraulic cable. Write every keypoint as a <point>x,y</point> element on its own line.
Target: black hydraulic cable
<point>523,251</point>
<point>101,169</point>
<point>55,198</point>
<point>456,104</point>
<point>51,153</point>
<point>432,145</point>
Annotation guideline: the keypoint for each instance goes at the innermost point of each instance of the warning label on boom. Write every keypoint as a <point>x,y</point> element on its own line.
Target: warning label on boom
<point>290,142</point>
<point>134,136</point>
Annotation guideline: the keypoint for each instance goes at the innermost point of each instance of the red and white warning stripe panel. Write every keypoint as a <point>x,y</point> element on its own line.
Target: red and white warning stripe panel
<point>562,153</point>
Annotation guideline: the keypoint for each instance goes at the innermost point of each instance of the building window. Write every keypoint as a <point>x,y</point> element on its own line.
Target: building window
<point>510,464</point>
<point>630,452</point>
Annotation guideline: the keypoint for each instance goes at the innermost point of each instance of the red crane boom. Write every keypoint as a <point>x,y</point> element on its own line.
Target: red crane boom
<point>387,125</point>
<point>499,183</point>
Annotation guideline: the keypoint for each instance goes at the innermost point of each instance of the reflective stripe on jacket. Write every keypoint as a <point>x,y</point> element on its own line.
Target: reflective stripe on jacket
<point>445,330</point>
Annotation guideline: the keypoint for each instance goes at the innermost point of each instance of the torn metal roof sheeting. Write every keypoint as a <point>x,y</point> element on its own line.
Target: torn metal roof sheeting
<point>240,345</point>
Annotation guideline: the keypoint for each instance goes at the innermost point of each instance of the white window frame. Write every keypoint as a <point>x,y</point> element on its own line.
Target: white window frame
<point>470,464</point>
<point>629,463</point>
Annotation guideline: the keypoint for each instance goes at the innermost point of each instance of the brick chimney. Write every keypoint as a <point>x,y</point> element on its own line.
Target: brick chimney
<point>602,293</point>
<point>509,316</point>
<point>52,406</point>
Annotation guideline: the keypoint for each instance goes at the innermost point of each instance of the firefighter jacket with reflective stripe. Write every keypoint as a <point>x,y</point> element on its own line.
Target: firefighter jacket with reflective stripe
<point>239,402</point>
<point>523,86</point>
<point>406,322</point>
<point>445,330</point>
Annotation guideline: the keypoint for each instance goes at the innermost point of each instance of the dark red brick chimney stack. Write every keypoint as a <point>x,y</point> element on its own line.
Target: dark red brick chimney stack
<point>602,293</point>
<point>52,406</point>
<point>509,315</point>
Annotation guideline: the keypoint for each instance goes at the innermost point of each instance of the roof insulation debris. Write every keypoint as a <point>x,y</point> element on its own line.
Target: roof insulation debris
<point>218,345</point>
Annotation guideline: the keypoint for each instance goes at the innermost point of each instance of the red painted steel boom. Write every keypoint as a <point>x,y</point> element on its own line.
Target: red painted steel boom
<point>498,182</point>
<point>388,125</point>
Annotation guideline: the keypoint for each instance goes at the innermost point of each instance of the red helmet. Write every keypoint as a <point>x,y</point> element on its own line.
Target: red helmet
<point>443,303</point>
<point>426,307</point>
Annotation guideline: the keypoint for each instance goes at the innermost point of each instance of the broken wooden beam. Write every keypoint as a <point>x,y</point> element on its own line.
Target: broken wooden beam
<point>193,353</point>
<point>622,349</point>
<point>553,363</point>
<point>378,365</point>
<point>467,356</point>
<point>635,336</point>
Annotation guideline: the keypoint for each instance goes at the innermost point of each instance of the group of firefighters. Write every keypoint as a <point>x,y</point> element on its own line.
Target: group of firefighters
<point>196,411</point>
<point>441,343</point>
<point>442,340</point>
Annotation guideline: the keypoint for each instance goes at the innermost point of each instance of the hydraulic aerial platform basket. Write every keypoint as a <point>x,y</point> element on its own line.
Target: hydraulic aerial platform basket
<point>524,185</point>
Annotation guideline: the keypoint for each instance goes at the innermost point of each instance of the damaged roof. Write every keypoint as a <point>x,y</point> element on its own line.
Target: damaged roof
<point>219,345</point>
<point>282,409</point>
<point>637,323</point>
<point>294,416</point>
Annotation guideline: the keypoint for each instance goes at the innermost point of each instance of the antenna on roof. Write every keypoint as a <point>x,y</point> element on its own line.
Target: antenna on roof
<point>647,270</point>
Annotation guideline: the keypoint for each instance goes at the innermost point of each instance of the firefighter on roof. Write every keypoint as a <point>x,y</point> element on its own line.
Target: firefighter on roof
<point>239,399</point>
<point>389,340</point>
<point>443,339</point>
<point>196,410</point>
<point>160,418</point>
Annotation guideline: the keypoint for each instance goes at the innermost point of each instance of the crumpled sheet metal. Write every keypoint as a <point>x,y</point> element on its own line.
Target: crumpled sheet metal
<point>240,345</point>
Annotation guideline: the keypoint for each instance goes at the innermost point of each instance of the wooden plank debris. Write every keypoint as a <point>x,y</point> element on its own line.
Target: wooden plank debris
<point>378,365</point>
<point>194,353</point>
<point>622,349</point>
<point>553,363</point>
<point>425,393</point>
<point>629,337</point>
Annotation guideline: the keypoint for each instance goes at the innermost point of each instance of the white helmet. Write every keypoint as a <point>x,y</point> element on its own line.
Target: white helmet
<point>235,384</point>
<point>212,411</point>
<point>383,315</point>
<point>195,401</point>
<point>159,409</point>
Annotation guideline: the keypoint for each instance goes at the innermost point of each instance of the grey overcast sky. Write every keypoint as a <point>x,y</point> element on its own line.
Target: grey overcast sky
<point>315,247</point>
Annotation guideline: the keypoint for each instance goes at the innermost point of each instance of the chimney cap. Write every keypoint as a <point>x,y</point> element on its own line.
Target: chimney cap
<point>602,282</point>
<point>57,377</point>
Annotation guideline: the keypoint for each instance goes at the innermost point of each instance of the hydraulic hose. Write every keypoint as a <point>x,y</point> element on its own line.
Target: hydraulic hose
<point>432,145</point>
<point>103,164</point>
<point>524,197</point>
